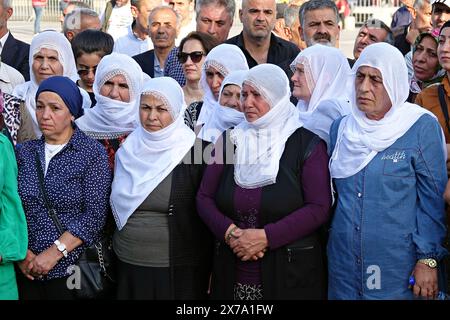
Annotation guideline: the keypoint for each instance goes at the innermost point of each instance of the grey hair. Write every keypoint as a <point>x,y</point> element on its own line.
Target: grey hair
<point>165,7</point>
<point>7,4</point>
<point>72,20</point>
<point>377,23</point>
<point>418,4</point>
<point>230,6</point>
<point>290,15</point>
<point>315,5</point>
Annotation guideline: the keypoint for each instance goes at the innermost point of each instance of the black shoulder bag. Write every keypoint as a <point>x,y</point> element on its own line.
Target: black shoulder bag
<point>443,105</point>
<point>96,263</point>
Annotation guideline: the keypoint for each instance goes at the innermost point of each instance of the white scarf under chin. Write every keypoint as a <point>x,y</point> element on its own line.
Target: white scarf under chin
<point>110,116</point>
<point>260,145</point>
<point>359,139</point>
<point>222,119</point>
<point>142,162</point>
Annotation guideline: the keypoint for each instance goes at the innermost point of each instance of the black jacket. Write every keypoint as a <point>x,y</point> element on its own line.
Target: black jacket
<point>146,61</point>
<point>190,241</point>
<point>294,271</point>
<point>15,53</point>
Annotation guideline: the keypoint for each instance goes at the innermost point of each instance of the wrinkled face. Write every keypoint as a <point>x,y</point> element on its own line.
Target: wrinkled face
<point>444,49</point>
<point>440,14</point>
<point>423,18</point>
<point>367,36</point>
<point>215,21</point>
<point>53,116</point>
<point>254,105</point>
<point>163,28</point>
<point>371,95</point>
<point>258,18</point>
<point>182,7</point>
<point>116,88</point>
<point>154,113</point>
<point>46,64</point>
<point>214,79</point>
<point>425,59</point>
<point>143,12</point>
<point>301,90</point>
<point>231,96</point>
<point>86,66</point>
<point>193,70</point>
<point>320,26</point>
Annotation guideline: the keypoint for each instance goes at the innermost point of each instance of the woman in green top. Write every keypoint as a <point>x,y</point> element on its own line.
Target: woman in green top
<point>13,226</point>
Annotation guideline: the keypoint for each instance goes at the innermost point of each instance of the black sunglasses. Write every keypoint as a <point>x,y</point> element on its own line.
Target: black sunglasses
<point>196,56</point>
<point>85,72</point>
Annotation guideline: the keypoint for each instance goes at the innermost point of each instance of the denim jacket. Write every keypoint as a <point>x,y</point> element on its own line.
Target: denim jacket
<point>388,215</point>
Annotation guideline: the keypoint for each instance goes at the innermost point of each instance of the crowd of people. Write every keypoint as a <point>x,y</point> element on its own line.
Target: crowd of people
<point>263,166</point>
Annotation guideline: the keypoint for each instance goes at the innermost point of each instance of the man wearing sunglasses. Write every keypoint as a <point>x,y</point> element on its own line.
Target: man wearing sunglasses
<point>164,24</point>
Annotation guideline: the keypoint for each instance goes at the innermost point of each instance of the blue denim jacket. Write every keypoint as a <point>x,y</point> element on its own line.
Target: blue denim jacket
<point>388,215</point>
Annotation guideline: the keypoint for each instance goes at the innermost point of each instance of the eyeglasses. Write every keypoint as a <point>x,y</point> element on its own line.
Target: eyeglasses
<point>196,56</point>
<point>85,72</point>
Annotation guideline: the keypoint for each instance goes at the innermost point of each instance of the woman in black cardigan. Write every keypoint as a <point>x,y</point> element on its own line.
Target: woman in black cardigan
<point>164,249</point>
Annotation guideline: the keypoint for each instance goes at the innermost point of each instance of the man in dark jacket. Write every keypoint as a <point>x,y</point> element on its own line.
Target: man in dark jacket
<point>13,52</point>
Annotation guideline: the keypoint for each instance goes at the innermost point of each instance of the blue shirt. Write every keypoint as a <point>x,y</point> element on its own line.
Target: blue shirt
<point>388,215</point>
<point>78,183</point>
<point>173,68</point>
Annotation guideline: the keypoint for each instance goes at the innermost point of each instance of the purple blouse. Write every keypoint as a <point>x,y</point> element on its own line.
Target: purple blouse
<point>315,181</point>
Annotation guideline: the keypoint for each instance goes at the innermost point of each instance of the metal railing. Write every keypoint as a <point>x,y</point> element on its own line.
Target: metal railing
<point>23,11</point>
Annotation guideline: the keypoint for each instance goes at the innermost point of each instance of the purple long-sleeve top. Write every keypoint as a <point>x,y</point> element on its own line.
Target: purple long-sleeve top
<point>315,182</point>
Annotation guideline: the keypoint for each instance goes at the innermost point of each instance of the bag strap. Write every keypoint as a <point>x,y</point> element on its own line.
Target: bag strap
<point>50,209</point>
<point>443,105</point>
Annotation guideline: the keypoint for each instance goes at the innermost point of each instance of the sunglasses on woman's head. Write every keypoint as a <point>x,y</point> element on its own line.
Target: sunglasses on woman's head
<point>196,56</point>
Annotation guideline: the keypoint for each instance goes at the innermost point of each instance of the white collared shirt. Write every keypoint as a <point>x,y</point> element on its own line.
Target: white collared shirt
<point>9,78</point>
<point>2,41</point>
<point>132,45</point>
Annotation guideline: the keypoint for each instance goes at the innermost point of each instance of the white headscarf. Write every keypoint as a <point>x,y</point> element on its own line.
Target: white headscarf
<point>109,115</point>
<point>146,158</point>
<point>260,144</point>
<point>224,117</point>
<point>225,58</point>
<point>327,74</point>
<point>53,40</point>
<point>359,138</point>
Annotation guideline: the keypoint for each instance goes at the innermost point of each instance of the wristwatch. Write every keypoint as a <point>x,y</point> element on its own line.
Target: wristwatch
<point>429,262</point>
<point>61,248</point>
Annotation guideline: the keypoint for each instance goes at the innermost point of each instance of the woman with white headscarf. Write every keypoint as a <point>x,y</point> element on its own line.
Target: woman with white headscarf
<point>50,55</point>
<point>228,113</point>
<point>267,251</point>
<point>320,80</point>
<point>164,249</point>
<point>118,83</point>
<point>388,165</point>
<point>220,61</point>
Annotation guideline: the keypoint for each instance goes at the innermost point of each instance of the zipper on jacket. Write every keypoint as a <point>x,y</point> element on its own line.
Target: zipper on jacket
<point>289,252</point>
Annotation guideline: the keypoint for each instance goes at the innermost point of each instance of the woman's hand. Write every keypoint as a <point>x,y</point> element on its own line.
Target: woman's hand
<point>27,264</point>
<point>46,261</point>
<point>249,244</point>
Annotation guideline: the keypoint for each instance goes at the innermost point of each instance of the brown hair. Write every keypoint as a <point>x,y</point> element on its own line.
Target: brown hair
<point>208,42</point>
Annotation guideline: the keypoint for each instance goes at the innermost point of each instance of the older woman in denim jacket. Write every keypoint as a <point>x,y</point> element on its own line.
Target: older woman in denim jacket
<point>388,165</point>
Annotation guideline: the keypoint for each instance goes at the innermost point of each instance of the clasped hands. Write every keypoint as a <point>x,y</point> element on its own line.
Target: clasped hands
<point>247,244</point>
<point>37,266</point>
